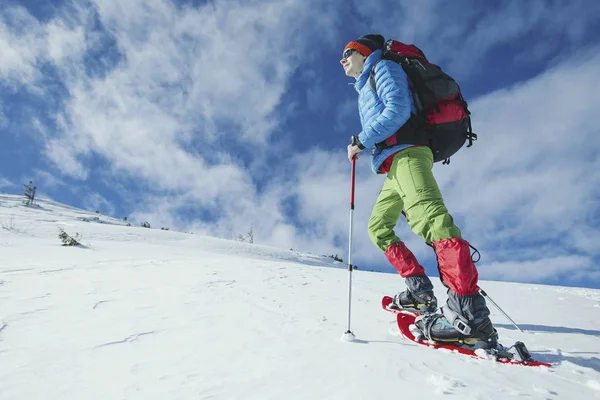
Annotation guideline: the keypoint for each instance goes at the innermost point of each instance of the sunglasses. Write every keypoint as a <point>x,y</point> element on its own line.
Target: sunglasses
<point>348,53</point>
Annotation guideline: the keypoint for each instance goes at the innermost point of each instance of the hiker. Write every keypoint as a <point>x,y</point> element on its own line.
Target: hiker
<point>411,188</point>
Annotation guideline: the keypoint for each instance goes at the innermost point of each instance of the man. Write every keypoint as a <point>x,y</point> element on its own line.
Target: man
<point>411,186</point>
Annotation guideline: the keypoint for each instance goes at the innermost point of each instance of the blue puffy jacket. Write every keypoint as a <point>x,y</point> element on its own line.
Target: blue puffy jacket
<point>382,114</point>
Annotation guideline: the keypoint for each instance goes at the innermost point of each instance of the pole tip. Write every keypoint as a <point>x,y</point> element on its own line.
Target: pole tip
<point>348,337</point>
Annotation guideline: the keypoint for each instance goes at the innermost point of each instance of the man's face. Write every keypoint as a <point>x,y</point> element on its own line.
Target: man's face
<point>352,62</point>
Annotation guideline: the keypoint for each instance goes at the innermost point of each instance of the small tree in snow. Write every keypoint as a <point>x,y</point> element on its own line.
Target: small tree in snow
<point>336,258</point>
<point>67,239</point>
<point>249,238</point>
<point>29,193</point>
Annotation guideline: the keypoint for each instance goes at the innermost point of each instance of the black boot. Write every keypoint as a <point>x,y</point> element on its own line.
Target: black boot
<point>461,333</point>
<point>422,303</point>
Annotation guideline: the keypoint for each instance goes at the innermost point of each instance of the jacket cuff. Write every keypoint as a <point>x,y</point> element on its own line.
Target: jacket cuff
<point>356,142</point>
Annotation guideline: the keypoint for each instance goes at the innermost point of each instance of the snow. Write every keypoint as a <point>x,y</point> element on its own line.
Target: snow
<point>142,313</point>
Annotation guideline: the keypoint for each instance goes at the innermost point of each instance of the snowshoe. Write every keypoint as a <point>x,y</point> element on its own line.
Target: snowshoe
<point>517,354</point>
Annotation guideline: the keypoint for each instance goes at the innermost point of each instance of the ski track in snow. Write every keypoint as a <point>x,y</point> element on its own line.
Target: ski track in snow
<point>128,339</point>
<point>147,314</point>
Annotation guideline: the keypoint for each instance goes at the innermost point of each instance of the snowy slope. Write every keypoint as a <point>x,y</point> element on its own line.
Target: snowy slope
<point>149,314</point>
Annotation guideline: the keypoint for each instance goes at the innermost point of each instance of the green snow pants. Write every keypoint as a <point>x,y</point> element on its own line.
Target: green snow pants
<point>410,185</point>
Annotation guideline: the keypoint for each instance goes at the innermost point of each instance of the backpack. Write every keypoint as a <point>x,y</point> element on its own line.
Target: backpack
<point>443,119</point>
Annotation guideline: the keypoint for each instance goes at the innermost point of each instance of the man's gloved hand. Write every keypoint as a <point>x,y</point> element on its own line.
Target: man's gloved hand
<point>354,148</point>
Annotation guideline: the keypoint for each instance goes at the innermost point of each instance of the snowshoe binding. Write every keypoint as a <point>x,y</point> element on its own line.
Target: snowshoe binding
<point>423,303</point>
<point>460,333</point>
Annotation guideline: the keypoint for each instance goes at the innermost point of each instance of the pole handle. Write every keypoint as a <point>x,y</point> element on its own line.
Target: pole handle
<point>352,184</point>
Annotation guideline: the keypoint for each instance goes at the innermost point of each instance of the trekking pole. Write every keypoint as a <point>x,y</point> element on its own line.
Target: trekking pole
<point>484,294</point>
<point>348,335</point>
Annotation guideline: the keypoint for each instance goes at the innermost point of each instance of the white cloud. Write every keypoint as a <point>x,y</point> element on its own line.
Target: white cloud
<point>58,152</point>
<point>64,43</point>
<point>96,202</point>
<point>207,65</point>
<point>458,34</point>
<point>26,43</point>
<point>189,79</point>
<point>539,269</point>
<point>47,180</point>
<point>3,119</point>
<point>19,51</point>
<point>5,183</point>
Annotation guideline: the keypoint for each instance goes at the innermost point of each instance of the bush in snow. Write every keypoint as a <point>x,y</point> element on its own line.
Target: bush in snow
<point>249,238</point>
<point>29,193</point>
<point>336,258</point>
<point>67,239</point>
<point>9,226</point>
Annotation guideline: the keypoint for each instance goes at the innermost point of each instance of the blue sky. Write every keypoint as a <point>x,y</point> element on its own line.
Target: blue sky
<point>215,117</point>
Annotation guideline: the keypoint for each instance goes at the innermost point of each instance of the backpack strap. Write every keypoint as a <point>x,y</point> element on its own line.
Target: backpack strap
<point>372,76</point>
<point>471,136</point>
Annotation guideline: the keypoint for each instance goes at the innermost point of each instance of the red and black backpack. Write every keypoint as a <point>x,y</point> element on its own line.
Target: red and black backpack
<point>443,119</point>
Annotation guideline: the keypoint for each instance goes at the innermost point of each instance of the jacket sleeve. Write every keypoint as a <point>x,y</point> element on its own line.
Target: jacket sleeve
<point>393,91</point>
